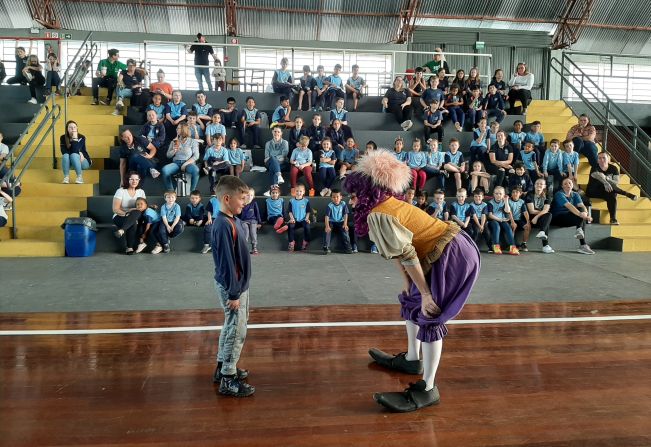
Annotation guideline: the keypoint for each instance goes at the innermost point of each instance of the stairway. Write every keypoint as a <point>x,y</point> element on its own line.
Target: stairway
<point>634,232</point>
<point>45,203</point>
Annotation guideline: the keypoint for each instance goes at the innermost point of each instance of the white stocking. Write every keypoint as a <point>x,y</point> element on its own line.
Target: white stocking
<point>413,344</point>
<point>431,359</point>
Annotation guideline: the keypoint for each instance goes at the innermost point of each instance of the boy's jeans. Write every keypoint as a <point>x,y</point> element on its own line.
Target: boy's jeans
<point>233,334</point>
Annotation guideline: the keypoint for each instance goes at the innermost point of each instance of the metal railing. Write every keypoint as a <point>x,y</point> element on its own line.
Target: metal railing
<point>71,83</point>
<point>35,134</point>
<point>630,145</point>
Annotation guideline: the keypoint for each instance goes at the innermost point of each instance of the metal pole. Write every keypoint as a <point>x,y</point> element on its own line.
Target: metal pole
<point>145,56</point>
<point>54,153</point>
<point>606,126</point>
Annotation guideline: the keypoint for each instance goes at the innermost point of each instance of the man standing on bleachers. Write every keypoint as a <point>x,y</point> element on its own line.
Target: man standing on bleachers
<point>107,76</point>
<point>201,64</point>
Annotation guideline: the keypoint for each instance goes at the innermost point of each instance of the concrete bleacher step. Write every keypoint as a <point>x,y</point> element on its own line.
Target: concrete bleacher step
<point>52,203</point>
<point>628,230</point>
<point>46,162</point>
<point>42,218</point>
<point>626,216</point>
<point>632,244</point>
<point>37,232</point>
<point>624,203</point>
<point>45,189</point>
<point>52,175</point>
<point>33,248</point>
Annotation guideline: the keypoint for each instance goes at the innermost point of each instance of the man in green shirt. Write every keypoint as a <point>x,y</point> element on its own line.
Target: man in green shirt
<point>107,76</point>
<point>437,63</point>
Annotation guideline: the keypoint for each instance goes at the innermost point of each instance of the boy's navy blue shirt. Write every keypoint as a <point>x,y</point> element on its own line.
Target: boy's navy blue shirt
<point>523,181</point>
<point>230,252</point>
<point>194,212</point>
<point>251,212</point>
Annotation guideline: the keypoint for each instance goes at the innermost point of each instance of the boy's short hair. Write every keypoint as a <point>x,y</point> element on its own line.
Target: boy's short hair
<point>195,192</point>
<point>565,142</point>
<point>300,185</point>
<point>411,190</point>
<point>418,70</point>
<point>200,92</point>
<point>229,185</point>
<point>306,68</point>
<point>398,138</point>
<point>229,99</point>
<point>518,121</point>
<point>478,191</point>
<point>501,188</point>
<point>432,140</point>
<point>554,140</point>
<point>314,115</point>
<point>169,193</point>
<point>528,143</point>
<point>494,122</point>
<point>516,188</point>
<point>423,194</point>
<point>338,66</point>
<point>462,190</point>
<point>476,88</point>
<point>304,140</point>
<point>536,123</point>
<point>518,165</point>
<point>283,98</point>
<point>355,66</point>
<point>20,49</point>
<point>372,143</point>
<point>320,67</point>
<point>438,191</point>
<point>453,140</point>
<point>335,191</point>
<point>111,52</point>
<point>249,97</point>
<point>192,113</point>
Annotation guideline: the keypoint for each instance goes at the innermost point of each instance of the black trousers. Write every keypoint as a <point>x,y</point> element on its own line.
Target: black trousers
<point>129,224</point>
<point>107,82</point>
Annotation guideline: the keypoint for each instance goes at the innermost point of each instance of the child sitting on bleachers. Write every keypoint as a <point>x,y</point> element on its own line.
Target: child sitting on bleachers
<point>494,128</point>
<point>398,146</point>
<point>307,83</point>
<point>520,178</point>
<point>454,104</point>
<point>552,165</point>
<point>570,163</point>
<point>158,107</point>
<point>215,161</point>
<point>516,138</point>
<point>296,133</point>
<point>337,136</point>
<point>250,217</point>
<point>301,163</point>
<point>196,132</point>
<point>454,162</point>
<point>461,212</point>
<point>537,138</point>
<point>148,220</point>
<point>530,160</point>
<point>479,178</point>
<point>250,120</point>
<point>493,104</point>
<point>175,112</point>
<point>410,196</point>
<point>281,116</point>
<point>195,216</point>
<point>170,225</point>
<point>355,85</point>
<point>421,200</point>
<point>202,109</point>
<point>214,128</point>
<point>519,217</point>
<point>479,219</point>
<point>320,88</point>
<point>230,113</point>
<point>435,162</point>
<point>438,208</point>
<point>275,206</point>
<point>475,107</point>
<point>235,156</point>
<point>348,157</point>
<point>299,213</point>
<point>153,130</point>
<point>417,161</point>
<point>433,122</point>
<point>499,218</point>
<point>480,142</point>
<point>327,161</point>
<point>336,221</point>
<point>5,199</point>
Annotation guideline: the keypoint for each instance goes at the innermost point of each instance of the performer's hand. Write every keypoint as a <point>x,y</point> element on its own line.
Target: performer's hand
<point>233,304</point>
<point>428,306</point>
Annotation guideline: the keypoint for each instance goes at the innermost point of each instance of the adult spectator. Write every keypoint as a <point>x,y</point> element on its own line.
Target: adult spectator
<point>398,102</point>
<point>137,154</point>
<point>129,85</point>
<point>282,81</point>
<point>276,152</point>
<point>33,72</point>
<point>437,62</point>
<point>201,65</point>
<point>568,210</point>
<point>184,152</point>
<point>583,136</point>
<point>521,84</point>
<point>603,185</point>
<point>125,214</point>
<point>161,87</point>
<point>107,76</point>
<point>500,158</point>
<point>52,74</point>
<point>73,151</point>
<point>21,61</point>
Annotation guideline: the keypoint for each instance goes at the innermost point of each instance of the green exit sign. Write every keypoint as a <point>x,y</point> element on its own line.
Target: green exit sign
<point>480,45</point>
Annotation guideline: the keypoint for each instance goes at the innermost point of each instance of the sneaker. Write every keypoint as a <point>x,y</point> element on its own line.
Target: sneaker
<point>206,249</point>
<point>154,173</point>
<point>397,362</point>
<point>290,247</point>
<point>355,248</point>
<point>541,235</point>
<point>255,251</point>
<point>311,192</point>
<point>614,222</point>
<point>497,249</point>
<point>579,234</point>
<point>205,170</point>
<point>166,248</point>
<point>157,249</point>
<point>217,375</point>
<point>328,192</point>
<point>523,247</point>
<point>66,180</point>
<point>490,250</point>
<point>281,180</point>
<point>326,251</point>
<point>279,223</point>
<point>404,125</point>
<point>272,125</point>
<point>282,229</point>
<point>634,197</point>
<point>374,249</point>
<point>323,192</point>
<point>409,125</point>
<point>585,250</point>
<point>305,245</point>
<point>267,193</point>
<point>94,102</point>
<point>105,102</point>
<point>547,249</point>
<point>80,180</point>
<point>129,251</point>
<point>118,233</point>
<point>141,247</point>
<point>413,398</point>
<point>513,250</point>
<point>115,113</point>
<point>33,101</point>
<point>233,386</point>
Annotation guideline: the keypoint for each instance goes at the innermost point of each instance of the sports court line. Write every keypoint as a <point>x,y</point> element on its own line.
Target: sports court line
<point>318,325</point>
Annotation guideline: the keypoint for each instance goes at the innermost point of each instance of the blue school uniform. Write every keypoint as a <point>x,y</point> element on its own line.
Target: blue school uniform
<point>151,216</point>
<point>402,156</point>
<point>160,110</point>
<point>279,114</point>
<point>517,209</point>
<point>170,212</point>
<point>251,116</point>
<point>194,212</point>
<point>274,207</point>
<point>479,209</point>
<point>536,138</point>
<point>205,109</point>
<point>336,213</point>
<point>176,110</point>
<point>552,161</point>
<point>282,75</point>
<point>335,82</point>
<point>475,135</point>
<point>462,211</point>
<point>349,156</point>
<point>319,81</point>
<point>434,117</point>
<point>327,154</point>
<point>299,208</point>
<point>431,94</point>
<point>434,210</point>
<point>341,115</point>
<point>235,156</point>
<point>497,208</point>
<point>436,159</point>
<point>416,160</point>
<point>529,160</point>
<point>517,138</point>
<point>560,199</point>
<point>196,132</point>
<point>213,206</point>
<point>570,158</point>
<point>301,156</point>
<point>455,159</point>
<point>213,154</point>
<point>356,83</point>
<point>213,129</point>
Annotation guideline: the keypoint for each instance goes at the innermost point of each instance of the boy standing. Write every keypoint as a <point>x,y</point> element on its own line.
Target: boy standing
<point>232,275</point>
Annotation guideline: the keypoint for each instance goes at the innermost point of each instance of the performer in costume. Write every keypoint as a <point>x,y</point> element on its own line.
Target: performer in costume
<point>439,264</point>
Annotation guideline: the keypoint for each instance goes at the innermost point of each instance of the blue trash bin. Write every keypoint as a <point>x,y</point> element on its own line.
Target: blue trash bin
<point>80,236</point>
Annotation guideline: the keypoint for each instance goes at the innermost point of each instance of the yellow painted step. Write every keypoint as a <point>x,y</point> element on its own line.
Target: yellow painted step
<point>92,131</point>
<point>54,176</point>
<point>31,248</point>
<point>536,102</point>
<point>627,216</point>
<point>51,203</point>
<point>51,233</point>
<point>626,230</point>
<point>99,110</point>
<point>46,163</point>
<point>57,189</point>
<point>93,141</point>
<point>623,203</point>
<point>539,113</point>
<point>551,117</point>
<point>583,178</point>
<point>41,218</point>
<point>85,119</point>
<point>635,244</point>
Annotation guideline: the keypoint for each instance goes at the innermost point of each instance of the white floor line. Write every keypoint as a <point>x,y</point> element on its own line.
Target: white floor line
<point>319,325</point>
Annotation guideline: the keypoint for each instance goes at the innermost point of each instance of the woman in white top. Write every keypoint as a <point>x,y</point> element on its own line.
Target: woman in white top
<point>125,214</point>
<point>521,83</point>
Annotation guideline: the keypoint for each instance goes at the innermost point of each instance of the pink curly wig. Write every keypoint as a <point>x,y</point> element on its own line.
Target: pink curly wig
<point>379,176</point>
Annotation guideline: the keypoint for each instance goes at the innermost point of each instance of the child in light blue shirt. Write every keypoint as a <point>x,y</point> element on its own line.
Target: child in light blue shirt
<point>235,157</point>
<point>170,224</point>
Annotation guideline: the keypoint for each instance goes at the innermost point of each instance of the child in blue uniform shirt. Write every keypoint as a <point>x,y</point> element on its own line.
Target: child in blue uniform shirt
<point>355,85</point>
<point>417,160</point>
<point>281,116</point>
<point>433,122</point>
<point>336,221</point>
<point>530,161</point>
<point>232,276</point>
<point>516,138</point>
<point>170,225</point>
<point>202,109</point>
<point>435,161</point>
<point>335,87</point>
<point>348,157</point>
<point>479,145</point>
<point>320,88</point>
<point>298,215</point>
<point>175,112</point>
<point>570,162</point>
<point>195,216</point>
<point>479,219</point>
<point>454,162</point>
<point>341,114</point>
<point>148,220</point>
<point>519,217</point>
<point>438,208</point>
<point>552,165</point>
<point>537,138</point>
<point>282,81</point>
<point>251,220</point>
<point>327,162</point>
<point>196,132</point>
<point>157,106</point>
<point>214,128</point>
<point>249,121</point>
<point>461,212</point>
<point>499,218</point>
<point>215,161</point>
<point>398,146</point>
<point>235,157</point>
<point>275,206</point>
<point>307,88</point>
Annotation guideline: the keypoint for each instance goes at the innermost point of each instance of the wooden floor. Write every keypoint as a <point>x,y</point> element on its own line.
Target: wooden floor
<point>553,384</point>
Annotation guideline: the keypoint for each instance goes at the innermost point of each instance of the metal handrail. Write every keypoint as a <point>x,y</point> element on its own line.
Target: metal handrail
<point>53,112</point>
<point>638,148</point>
<point>65,78</point>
